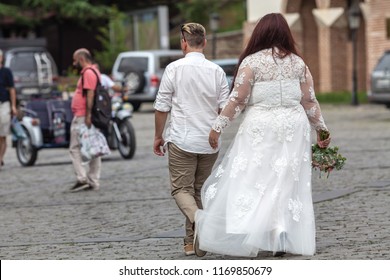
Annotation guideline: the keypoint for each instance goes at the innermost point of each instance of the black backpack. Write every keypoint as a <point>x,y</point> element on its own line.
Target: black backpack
<point>101,109</point>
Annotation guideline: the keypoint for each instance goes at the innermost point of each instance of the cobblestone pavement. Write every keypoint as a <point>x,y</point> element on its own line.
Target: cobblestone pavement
<point>133,216</point>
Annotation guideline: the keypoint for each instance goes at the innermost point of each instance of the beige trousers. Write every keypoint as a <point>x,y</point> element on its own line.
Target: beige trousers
<point>5,118</point>
<point>91,176</point>
<point>188,171</point>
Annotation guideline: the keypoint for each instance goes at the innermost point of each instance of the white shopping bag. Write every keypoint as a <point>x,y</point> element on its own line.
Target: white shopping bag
<point>93,143</point>
<point>17,129</point>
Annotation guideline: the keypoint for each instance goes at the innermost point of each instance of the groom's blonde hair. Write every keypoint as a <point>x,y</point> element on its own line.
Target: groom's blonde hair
<point>194,34</point>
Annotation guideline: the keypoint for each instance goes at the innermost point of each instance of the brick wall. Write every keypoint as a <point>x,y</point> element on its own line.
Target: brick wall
<point>327,50</point>
<point>309,47</point>
<point>228,45</point>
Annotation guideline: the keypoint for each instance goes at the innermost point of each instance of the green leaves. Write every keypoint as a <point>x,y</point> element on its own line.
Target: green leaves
<point>7,10</point>
<point>113,40</point>
<point>12,11</point>
<point>82,9</point>
<point>197,10</point>
<point>326,159</point>
<point>324,135</point>
<point>30,12</point>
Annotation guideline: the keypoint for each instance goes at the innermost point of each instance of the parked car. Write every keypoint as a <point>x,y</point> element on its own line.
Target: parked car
<point>229,66</point>
<point>35,72</point>
<point>141,72</point>
<point>380,81</point>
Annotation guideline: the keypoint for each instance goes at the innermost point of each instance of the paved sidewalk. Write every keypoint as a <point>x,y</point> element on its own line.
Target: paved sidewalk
<point>134,217</point>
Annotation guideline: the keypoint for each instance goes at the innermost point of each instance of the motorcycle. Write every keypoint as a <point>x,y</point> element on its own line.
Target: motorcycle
<point>121,134</point>
<point>46,124</point>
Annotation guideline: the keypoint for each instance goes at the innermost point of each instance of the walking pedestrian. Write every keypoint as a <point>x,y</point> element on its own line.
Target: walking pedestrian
<point>193,90</point>
<point>7,106</point>
<point>82,103</point>
<point>259,197</point>
<point>109,84</point>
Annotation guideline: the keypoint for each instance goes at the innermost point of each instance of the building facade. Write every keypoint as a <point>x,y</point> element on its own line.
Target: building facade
<point>322,32</point>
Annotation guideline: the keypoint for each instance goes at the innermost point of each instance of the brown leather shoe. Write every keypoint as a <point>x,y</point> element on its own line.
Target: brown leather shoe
<point>189,249</point>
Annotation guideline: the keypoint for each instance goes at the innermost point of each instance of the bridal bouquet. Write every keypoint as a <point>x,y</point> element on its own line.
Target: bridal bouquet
<point>326,159</point>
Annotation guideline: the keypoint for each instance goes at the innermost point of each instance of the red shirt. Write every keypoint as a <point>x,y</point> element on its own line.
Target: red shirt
<point>79,102</point>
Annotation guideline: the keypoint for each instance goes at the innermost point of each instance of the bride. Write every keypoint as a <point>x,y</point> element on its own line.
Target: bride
<point>259,197</point>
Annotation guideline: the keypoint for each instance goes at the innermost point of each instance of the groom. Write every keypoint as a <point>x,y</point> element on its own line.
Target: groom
<point>193,90</point>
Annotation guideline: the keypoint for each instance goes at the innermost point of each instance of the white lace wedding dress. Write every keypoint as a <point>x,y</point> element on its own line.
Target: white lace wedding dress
<point>259,197</point>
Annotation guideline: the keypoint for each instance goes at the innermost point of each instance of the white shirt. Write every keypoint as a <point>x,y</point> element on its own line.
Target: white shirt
<point>192,89</point>
<point>106,81</point>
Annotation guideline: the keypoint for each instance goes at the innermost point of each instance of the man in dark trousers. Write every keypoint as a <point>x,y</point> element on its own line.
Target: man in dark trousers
<point>7,106</point>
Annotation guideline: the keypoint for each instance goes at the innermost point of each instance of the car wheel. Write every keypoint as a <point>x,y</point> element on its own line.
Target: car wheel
<point>134,81</point>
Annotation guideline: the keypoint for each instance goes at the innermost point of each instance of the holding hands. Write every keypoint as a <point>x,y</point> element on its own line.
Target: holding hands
<point>213,139</point>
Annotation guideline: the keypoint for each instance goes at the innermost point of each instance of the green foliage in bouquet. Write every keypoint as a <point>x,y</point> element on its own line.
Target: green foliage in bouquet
<point>326,159</point>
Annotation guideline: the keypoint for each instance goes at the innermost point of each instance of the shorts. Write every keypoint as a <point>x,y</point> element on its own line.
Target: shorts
<point>5,118</point>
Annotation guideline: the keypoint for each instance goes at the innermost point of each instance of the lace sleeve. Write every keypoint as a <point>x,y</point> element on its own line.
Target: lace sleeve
<point>238,97</point>
<point>310,103</point>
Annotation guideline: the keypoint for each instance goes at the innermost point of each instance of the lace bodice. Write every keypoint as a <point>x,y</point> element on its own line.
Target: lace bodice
<point>267,81</point>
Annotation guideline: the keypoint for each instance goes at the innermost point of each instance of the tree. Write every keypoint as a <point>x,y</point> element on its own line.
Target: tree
<point>31,12</point>
<point>197,10</point>
<point>12,11</point>
<point>113,39</point>
<point>232,12</point>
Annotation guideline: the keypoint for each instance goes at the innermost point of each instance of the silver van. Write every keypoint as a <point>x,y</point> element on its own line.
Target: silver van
<point>34,70</point>
<point>141,73</point>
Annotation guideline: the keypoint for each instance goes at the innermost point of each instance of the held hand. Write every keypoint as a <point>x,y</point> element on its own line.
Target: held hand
<point>158,147</point>
<point>88,121</point>
<point>323,143</point>
<point>213,139</point>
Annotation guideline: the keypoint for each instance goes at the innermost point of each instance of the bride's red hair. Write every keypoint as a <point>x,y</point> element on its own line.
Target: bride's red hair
<point>272,31</point>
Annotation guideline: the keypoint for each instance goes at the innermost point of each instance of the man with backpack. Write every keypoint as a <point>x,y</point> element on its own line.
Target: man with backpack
<point>82,107</point>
